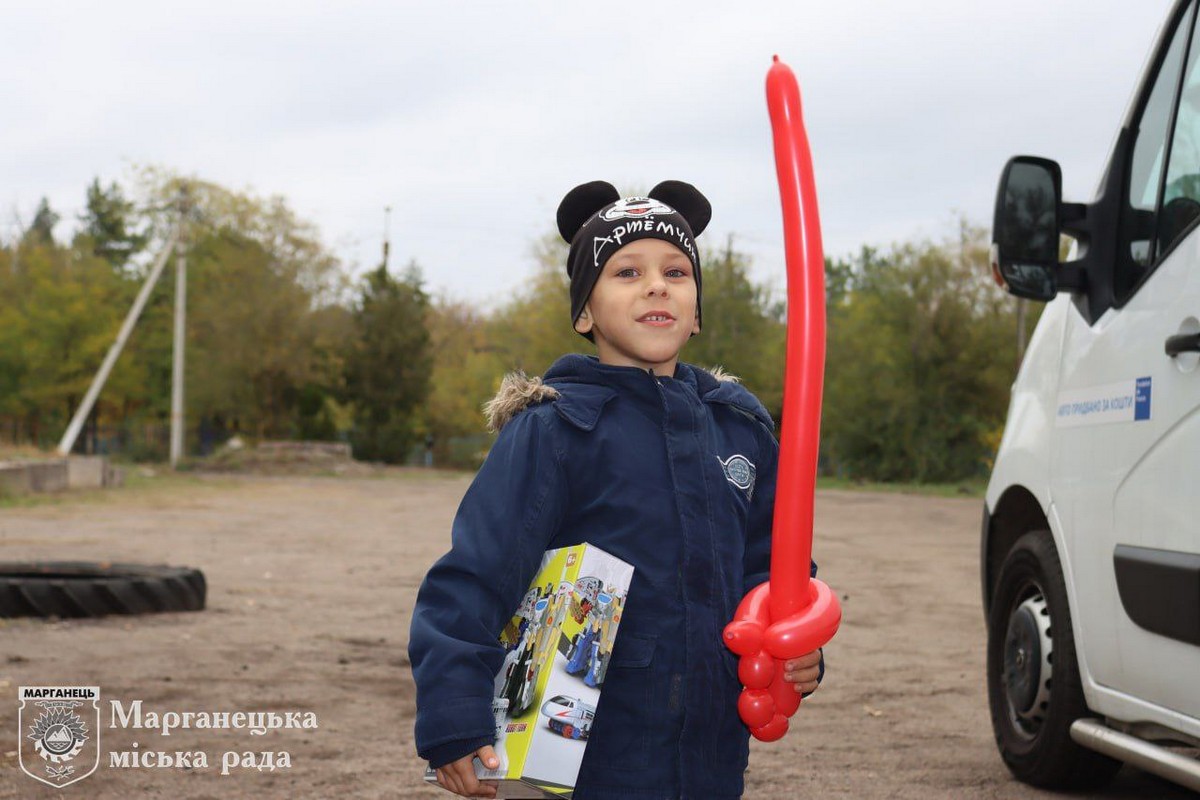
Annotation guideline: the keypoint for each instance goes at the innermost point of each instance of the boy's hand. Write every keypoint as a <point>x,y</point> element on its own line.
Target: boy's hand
<point>802,672</point>
<point>459,776</point>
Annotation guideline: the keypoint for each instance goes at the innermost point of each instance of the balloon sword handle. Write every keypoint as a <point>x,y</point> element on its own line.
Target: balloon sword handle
<point>764,647</point>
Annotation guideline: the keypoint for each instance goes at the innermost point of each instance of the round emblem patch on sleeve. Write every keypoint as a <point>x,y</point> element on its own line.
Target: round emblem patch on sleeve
<point>739,471</point>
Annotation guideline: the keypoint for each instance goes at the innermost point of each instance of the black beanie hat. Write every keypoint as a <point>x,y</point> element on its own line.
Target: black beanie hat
<point>595,220</point>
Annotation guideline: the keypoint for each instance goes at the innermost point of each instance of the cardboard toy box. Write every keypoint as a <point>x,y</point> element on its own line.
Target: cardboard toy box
<point>557,645</point>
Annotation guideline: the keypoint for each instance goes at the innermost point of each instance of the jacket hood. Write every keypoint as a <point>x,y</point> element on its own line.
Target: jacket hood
<point>580,386</point>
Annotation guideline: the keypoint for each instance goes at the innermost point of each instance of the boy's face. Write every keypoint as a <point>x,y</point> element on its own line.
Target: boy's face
<point>643,308</point>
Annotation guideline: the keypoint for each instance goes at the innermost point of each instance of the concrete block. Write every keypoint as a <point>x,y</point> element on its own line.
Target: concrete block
<point>86,472</point>
<point>114,477</point>
<point>48,476</point>
<point>58,475</point>
<point>14,478</point>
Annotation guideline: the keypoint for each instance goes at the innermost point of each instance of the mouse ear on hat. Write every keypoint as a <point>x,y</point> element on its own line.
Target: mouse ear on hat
<point>687,200</point>
<point>580,203</point>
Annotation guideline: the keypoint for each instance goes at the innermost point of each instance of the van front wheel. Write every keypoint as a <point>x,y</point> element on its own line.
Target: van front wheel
<point>1034,689</point>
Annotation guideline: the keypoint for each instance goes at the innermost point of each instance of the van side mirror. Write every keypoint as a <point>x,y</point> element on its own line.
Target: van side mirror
<point>1026,228</point>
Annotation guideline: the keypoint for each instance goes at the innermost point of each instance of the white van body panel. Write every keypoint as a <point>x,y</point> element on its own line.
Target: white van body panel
<point>1103,482</point>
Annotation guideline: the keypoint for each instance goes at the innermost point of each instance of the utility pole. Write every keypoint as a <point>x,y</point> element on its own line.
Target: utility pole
<point>387,213</point>
<point>177,350</point>
<point>16,266</point>
<point>89,399</point>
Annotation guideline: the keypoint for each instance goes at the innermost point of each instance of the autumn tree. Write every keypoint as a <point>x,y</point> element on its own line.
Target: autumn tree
<point>920,358</point>
<point>388,364</point>
<point>108,222</point>
<point>266,324</point>
<point>466,369</point>
<point>58,318</point>
<point>739,329</point>
<point>266,319</point>
<point>257,349</point>
<point>534,327</point>
<point>41,230</point>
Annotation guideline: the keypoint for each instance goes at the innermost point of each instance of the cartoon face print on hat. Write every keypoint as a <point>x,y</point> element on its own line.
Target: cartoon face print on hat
<point>635,208</point>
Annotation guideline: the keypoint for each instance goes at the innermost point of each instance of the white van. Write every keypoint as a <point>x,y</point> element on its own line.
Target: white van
<point>1091,525</point>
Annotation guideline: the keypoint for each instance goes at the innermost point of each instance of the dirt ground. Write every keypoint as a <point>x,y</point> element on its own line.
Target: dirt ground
<point>311,582</point>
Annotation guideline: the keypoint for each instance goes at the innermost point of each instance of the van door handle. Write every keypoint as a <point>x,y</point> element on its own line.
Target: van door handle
<point>1183,343</point>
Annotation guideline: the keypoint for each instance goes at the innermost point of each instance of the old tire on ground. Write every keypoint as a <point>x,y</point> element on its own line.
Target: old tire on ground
<point>92,589</point>
<point>1033,683</point>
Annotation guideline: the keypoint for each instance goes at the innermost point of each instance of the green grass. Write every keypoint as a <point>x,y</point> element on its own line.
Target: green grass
<point>974,487</point>
<point>140,481</point>
<point>146,480</point>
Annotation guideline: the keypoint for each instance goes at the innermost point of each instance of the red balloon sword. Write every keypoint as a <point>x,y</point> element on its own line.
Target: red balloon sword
<point>791,614</point>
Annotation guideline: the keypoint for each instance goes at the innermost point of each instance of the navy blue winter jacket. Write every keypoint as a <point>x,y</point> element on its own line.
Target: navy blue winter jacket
<point>675,476</point>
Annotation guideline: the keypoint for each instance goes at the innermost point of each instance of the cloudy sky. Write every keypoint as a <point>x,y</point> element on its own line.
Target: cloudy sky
<point>472,119</point>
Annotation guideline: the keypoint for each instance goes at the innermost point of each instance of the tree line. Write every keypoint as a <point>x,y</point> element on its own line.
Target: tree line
<point>282,342</point>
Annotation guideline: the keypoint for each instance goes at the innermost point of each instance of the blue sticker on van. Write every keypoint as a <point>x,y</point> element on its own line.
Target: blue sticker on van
<point>1120,402</point>
<point>1141,399</point>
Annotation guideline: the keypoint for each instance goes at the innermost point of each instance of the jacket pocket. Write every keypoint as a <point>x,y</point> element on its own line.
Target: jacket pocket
<point>626,708</point>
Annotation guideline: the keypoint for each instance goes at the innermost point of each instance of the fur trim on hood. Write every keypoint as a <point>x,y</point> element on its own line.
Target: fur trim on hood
<point>518,391</point>
<point>720,374</point>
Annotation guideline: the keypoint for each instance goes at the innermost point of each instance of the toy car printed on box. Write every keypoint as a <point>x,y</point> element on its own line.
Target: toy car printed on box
<point>569,716</point>
<point>558,645</point>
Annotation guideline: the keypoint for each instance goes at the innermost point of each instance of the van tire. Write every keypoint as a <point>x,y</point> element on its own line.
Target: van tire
<point>1035,695</point>
<point>90,589</point>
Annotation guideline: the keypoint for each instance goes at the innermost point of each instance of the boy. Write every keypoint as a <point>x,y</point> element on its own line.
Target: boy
<point>663,465</point>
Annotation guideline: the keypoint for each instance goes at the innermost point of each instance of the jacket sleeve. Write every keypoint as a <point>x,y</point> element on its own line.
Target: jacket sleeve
<point>756,565</point>
<point>757,562</point>
<point>503,525</point>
